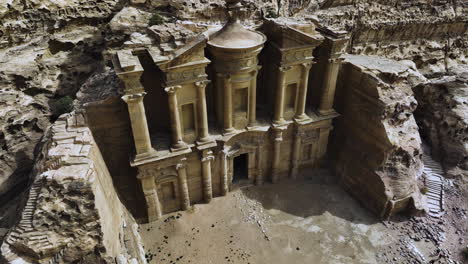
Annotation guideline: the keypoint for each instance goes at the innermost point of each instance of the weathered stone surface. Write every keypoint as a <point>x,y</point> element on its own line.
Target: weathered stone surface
<point>72,212</point>
<point>377,147</point>
<point>442,115</point>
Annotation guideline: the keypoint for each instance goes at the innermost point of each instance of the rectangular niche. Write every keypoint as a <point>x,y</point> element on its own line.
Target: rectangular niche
<point>290,97</point>
<point>188,121</point>
<point>240,102</point>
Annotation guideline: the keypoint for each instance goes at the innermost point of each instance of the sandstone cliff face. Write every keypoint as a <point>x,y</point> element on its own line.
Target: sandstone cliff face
<point>433,34</point>
<point>73,212</point>
<point>442,115</point>
<point>376,144</point>
<point>47,50</point>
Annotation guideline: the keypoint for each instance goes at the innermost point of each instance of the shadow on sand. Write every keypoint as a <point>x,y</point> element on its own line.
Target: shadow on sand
<point>318,192</point>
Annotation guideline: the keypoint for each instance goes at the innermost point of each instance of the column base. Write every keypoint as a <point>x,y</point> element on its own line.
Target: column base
<point>302,119</point>
<point>229,131</point>
<point>279,122</point>
<point>327,112</point>
<point>145,155</point>
<point>179,146</point>
<point>205,143</point>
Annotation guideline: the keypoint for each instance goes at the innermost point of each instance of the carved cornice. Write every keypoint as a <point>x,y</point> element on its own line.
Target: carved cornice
<point>187,74</point>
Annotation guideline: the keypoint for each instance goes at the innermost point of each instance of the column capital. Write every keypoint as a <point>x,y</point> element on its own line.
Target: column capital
<point>202,84</point>
<point>182,164</point>
<point>335,60</point>
<point>171,90</point>
<point>255,70</point>
<point>207,155</point>
<point>284,68</point>
<point>307,65</point>
<point>144,173</point>
<point>131,81</point>
<point>130,98</point>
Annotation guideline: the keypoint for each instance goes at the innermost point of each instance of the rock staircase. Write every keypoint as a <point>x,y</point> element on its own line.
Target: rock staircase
<point>433,180</point>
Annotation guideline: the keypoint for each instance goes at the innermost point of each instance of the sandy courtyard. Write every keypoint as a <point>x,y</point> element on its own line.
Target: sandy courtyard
<point>309,221</point>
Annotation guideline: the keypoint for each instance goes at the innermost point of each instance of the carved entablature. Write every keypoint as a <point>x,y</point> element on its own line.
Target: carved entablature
<point>296,55</point>
<point>238,65</point>
<point>186,74</point>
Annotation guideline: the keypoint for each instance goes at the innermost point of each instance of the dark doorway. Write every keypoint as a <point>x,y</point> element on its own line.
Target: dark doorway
<point>241,171</point>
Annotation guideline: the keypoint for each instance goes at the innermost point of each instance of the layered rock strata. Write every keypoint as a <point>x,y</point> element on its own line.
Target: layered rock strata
<point>376,143</point>
<point>73,212</point>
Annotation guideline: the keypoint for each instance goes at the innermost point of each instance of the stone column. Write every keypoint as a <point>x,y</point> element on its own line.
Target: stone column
<point>206,174</point>
<point>301,103</point>
<point>279,104</point>
<point>253,98</point>
<point>329,86</point>
<point>259,180</point>
<point>177,136</point>
<point>278,133</point>
<point>296,155</point>
<point>203,135</point>
<point>182,173</point>
<point>224,172</point>
<point>150,191</point>
<point>136,110</point>
<point>228,115</point>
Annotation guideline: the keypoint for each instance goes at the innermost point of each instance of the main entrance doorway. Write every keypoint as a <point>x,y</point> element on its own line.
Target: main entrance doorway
<point>241,168</point>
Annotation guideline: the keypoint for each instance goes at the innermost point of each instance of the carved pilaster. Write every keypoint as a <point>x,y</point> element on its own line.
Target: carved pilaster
<point>147,179</point>
<point>296,154</point>
<point>224,172</point>
<point>182,173</point>
<point>259,180</point>
<point>329,86</point>
<point>278,138</point>
<point>206,174</point>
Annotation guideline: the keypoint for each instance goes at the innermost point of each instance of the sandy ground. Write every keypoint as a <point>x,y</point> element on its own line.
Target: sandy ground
<point>307,221</point>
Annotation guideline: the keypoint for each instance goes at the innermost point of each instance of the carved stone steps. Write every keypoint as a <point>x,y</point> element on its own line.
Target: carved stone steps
<point>433,181</point>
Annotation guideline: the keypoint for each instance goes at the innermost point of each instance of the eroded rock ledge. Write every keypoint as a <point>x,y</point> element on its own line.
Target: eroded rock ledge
<point>73,212</point>
<point>376,141</point>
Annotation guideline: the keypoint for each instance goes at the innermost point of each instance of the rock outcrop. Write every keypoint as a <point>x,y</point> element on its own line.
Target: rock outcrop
<point>376,143</point>
<point>442,116</point>
<point>47,50</point>
<point>73,212</point>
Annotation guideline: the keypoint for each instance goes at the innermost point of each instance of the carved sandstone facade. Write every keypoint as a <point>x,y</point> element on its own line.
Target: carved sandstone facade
<point>237,106</point>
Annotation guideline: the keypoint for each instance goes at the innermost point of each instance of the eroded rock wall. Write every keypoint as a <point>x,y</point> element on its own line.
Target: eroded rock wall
<point>73,212</point>
<point>442,116</point>
<point>375,143</point>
